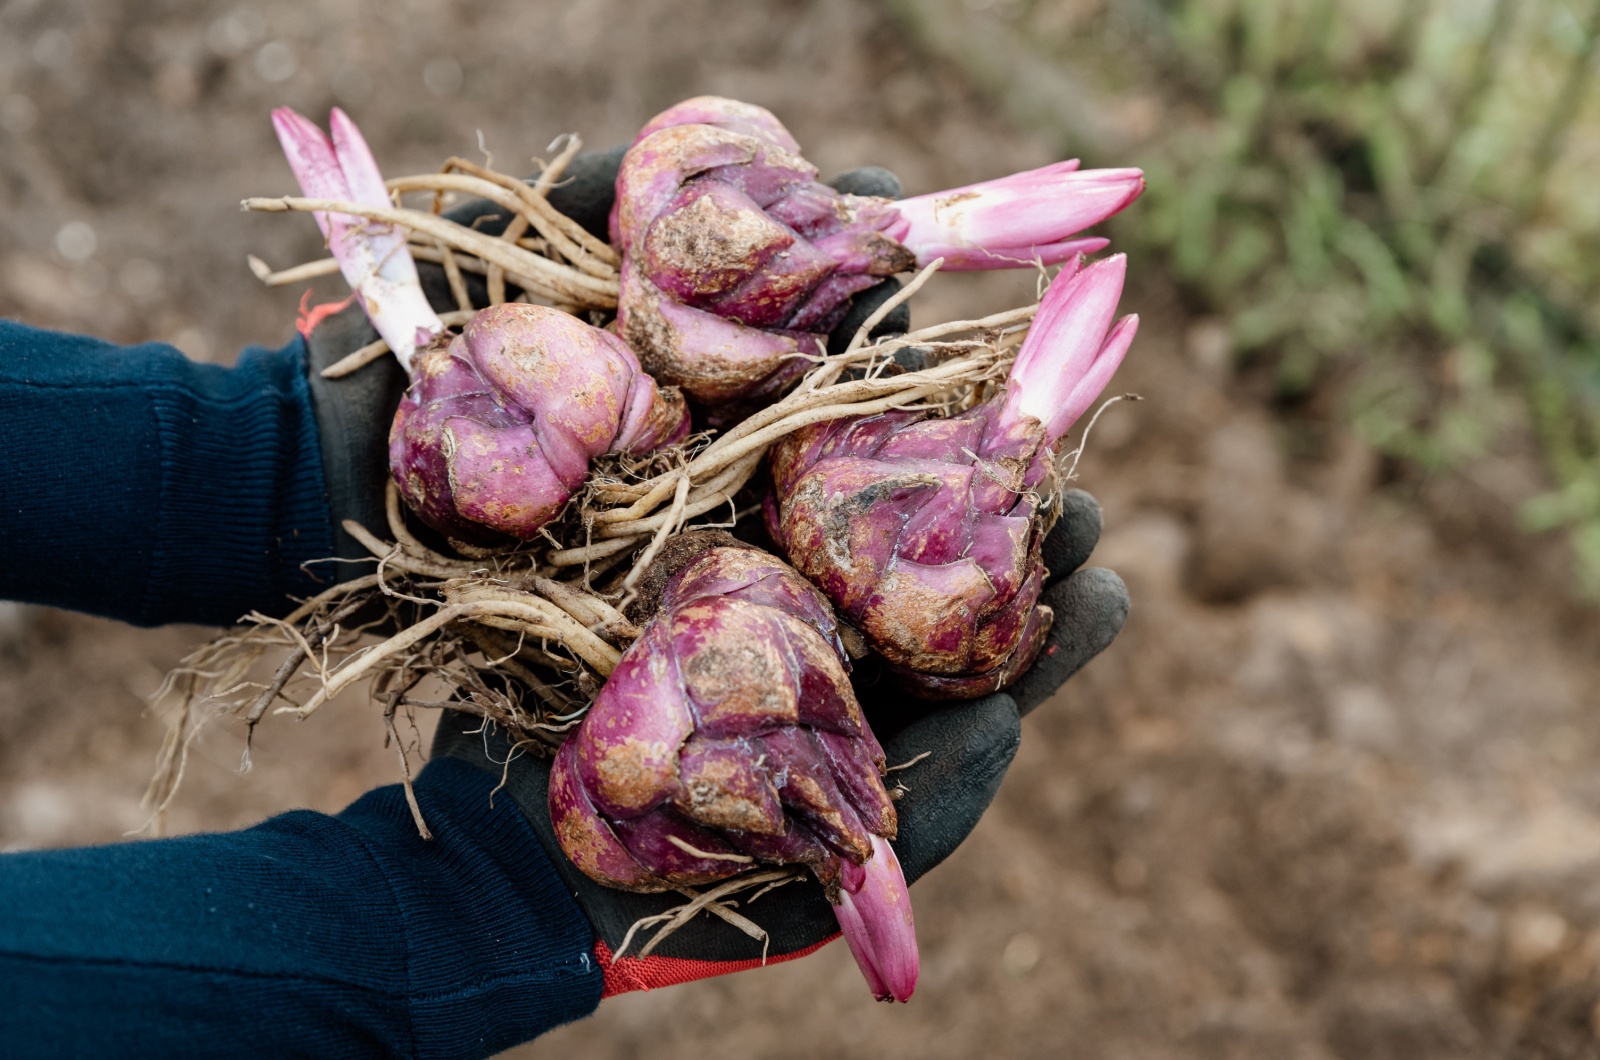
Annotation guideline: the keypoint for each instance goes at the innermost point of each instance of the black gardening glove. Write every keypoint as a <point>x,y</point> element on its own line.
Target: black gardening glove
<point>969,745</point>
<point>972,744</point>
<point>354,412</point>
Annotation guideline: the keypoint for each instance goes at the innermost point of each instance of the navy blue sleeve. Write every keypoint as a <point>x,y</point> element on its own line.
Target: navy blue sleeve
<point>307,935</point>
<point>140,485</point>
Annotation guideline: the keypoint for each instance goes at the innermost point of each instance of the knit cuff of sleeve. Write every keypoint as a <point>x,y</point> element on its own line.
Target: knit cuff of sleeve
<point>147,487</point>
<point>244,513</point>
<point>498,949</point>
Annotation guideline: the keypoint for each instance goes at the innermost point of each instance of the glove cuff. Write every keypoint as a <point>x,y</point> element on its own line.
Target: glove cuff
<point>626,974</point>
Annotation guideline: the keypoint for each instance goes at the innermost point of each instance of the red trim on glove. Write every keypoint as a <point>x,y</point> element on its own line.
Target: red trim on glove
<point>628,974</point>
<point>312,315</point>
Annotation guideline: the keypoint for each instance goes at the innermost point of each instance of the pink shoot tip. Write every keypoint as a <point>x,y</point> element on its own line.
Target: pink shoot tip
<point>1016,221</point>
<point>372,256</point>
<point>874,913</point>
<point>1069,357</point>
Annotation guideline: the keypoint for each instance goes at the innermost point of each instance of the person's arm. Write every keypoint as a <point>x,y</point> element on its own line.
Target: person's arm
<point>306,935</point>
<point>140,485</point>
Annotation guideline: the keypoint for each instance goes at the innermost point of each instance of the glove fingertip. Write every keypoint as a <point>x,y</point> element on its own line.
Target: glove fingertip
<point>1075,535</point>
<point>863,306</point>
<point>969,747</point>
<point>869,180</point>
<point>1091,607</point>
<point>588,188</point>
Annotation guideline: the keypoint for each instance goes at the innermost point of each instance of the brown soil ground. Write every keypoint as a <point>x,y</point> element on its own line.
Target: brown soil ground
<point>1331,794</point>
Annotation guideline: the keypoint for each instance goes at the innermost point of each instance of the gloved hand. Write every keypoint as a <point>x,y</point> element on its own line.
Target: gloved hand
<point>354,412</point>
<point>969,745</point>
<point>972,744</point>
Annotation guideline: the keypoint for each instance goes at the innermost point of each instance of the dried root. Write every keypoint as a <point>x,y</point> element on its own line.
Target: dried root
<point>462,626</point>
<point>714,901</point>
<point>530,271</point>
<point>563,264</point>
<point>617,510</point>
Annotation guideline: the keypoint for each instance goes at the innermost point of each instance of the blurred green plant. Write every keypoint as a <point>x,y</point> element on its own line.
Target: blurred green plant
<point>1399,191</point>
